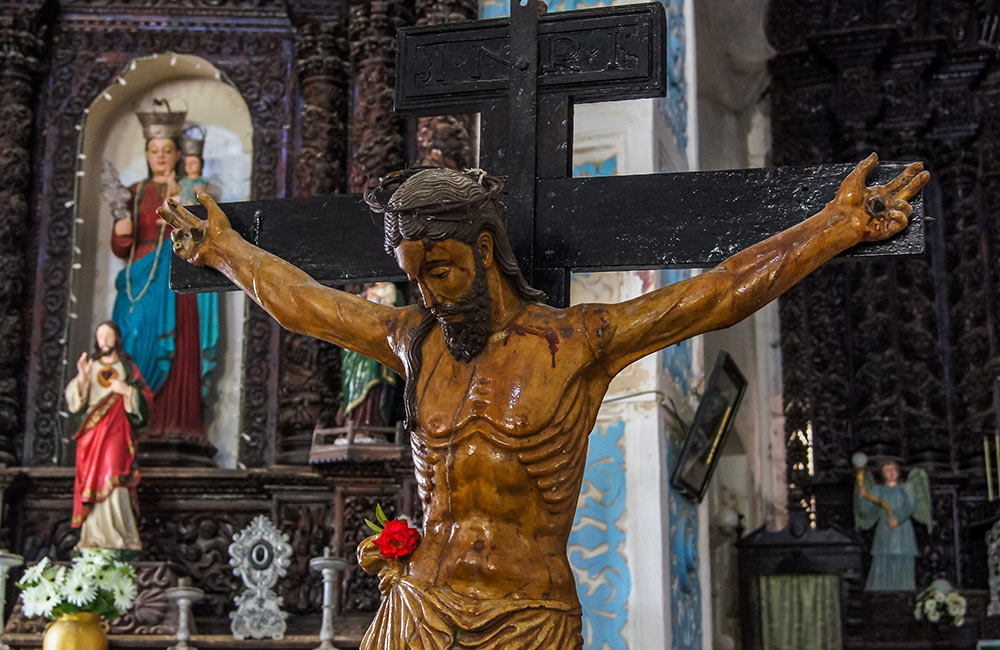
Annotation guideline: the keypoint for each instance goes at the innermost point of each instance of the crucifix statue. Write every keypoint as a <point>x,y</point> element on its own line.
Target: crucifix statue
<point>502,389</point>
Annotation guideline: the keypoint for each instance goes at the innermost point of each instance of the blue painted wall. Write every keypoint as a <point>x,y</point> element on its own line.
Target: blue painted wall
<point>501,8</point>
<point>674,105</point>
<point>603,602</point>
<point>607,167</point>
<point>678,362</point>
<point>685,588</point>
<point>597,543</point>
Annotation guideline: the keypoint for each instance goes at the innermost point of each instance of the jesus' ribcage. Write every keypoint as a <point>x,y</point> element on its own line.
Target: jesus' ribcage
<point>556,455</point>
<point>553,454</point>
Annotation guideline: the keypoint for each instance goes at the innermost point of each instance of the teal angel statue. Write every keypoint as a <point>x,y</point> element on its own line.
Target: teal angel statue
<point>889,507</point>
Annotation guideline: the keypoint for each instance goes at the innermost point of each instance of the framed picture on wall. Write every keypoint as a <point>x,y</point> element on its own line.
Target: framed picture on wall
<point>707,435</point>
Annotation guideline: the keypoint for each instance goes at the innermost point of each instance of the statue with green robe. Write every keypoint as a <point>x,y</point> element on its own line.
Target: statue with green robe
<point>889,507</point>
<point>368,386</point>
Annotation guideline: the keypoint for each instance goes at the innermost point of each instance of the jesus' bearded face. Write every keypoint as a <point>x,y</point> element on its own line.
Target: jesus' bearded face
<point>106,341</point>
<point>467,337</point>
<point>451,277</point>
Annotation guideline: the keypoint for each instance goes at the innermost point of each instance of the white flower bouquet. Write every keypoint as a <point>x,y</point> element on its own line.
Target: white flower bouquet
<point>940,603</point>
<point>95,582</point>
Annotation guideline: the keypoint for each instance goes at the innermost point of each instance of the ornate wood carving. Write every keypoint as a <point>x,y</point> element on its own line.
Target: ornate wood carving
<point>180,6</point>
<point>258,403</point>
<point>444,141</point>
<point>309,392</point>
<point>188,518</point>
<point>377,141</point>
<point>321,66</point>
<point>21,43</point>
<point>361,589</point>
<point>355,502</point>
<point>897,357</point>
<point>199,543</point>
<point>310,370</point>
<point>253,49</point>
<point>310,527</point>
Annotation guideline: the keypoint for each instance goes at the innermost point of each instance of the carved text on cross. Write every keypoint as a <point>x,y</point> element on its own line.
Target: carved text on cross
<point>462,69</point>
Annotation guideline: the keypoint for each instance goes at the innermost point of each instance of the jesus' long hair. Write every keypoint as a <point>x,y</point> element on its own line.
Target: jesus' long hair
<point>437,204</point>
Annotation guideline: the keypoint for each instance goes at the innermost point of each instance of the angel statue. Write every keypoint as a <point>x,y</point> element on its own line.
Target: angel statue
<point>889,507</point>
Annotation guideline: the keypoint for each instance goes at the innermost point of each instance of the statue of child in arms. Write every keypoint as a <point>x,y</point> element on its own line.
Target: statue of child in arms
<point>111,398</point>
<point>192,148</point>
<point>502,390</point>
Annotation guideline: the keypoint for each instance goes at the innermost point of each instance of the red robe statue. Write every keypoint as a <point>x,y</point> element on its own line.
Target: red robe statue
<point>104,493</point>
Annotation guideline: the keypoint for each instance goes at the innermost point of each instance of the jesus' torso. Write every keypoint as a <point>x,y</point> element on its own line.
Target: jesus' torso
<point>499,451</point>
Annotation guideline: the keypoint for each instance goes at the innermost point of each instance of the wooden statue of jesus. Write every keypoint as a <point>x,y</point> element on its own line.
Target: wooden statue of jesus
<point>503,390</point>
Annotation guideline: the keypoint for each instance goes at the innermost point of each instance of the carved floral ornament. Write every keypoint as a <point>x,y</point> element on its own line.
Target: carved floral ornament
<point>260,554</point>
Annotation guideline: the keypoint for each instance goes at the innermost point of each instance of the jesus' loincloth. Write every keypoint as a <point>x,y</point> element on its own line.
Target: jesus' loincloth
<point>415,616</point>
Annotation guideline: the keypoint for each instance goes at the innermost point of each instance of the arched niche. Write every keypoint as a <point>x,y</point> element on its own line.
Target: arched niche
<point>111,132</point>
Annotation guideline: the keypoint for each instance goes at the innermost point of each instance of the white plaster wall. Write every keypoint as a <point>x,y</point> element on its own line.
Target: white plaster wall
<point>727,128</point>
<point>112,132</point>
<point>622,128</point>
<point>693,153</point>
<point>634,399</point>
<point>730,53</point>
<point>625,129</point>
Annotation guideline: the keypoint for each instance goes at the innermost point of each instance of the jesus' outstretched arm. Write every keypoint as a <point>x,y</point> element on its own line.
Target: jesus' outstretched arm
<point>753,277</point>
<point>288,294</point>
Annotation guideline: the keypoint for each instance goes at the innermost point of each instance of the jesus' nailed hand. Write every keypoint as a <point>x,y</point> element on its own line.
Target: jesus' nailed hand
<point>503,390</point>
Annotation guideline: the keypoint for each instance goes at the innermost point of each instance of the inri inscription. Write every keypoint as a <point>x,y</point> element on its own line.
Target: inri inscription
<point>602,51</point>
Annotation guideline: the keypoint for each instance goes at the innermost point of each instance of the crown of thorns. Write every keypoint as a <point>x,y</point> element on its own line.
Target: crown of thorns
<point>435,192</point>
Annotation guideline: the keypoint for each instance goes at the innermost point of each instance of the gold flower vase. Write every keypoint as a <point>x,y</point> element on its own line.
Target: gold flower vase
<point>81,631</point>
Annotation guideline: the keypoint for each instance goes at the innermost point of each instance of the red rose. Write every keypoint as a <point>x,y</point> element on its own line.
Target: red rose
<point>397,539</point>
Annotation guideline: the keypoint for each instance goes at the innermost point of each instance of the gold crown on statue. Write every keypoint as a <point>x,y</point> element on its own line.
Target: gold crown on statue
<point>161,124</point>
<point>193,142</point>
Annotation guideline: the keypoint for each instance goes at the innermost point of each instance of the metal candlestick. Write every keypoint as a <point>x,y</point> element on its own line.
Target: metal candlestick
<point>330,567</point>
<point>7,562</point>
<point>183,594</point>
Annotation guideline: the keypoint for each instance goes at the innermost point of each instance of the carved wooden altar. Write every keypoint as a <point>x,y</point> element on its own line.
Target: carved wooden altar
<point>908,365</point>
<point>317,79</point>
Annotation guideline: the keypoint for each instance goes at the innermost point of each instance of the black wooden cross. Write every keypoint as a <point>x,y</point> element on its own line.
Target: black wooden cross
<point>523,75</point>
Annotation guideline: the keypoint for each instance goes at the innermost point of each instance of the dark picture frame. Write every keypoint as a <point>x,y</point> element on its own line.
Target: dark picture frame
<point>706,437</point>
